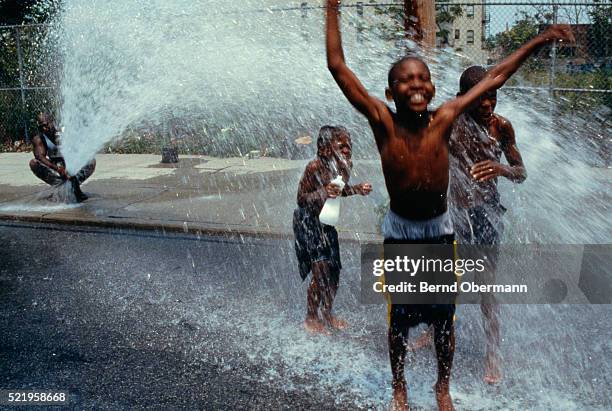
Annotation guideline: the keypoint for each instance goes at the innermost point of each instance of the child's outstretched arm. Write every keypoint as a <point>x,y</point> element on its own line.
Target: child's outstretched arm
<point>348,82</point>
<point>511,64</point>
<point>498,75</point>
<point>362,188</point>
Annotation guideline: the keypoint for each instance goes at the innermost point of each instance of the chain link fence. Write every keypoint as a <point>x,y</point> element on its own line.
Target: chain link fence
<point>28,80</point>
<point>483,32</point>
<point>486,32</point>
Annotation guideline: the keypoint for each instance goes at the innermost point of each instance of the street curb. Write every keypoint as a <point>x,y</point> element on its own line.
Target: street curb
<point>185,228</point>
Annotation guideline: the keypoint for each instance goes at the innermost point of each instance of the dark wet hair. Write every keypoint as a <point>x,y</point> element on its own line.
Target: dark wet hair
<point>470,77</point>
<point>327,134</point>
<point>44,116</point>
<point>395,66</point>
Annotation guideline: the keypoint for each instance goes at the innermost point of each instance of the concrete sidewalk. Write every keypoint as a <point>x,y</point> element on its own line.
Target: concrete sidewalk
<point>200,194</point>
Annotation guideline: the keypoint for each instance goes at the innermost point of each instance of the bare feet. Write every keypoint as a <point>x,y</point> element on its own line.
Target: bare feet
<point>443,398</point>
<point>315,326</point>
<point>424,340</point>
<point>400,398</point>
<point>493,374</point>
<point>338,323</point>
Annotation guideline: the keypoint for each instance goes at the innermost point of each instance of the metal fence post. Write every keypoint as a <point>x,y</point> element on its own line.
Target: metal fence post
<point>553,68</point>
<point>21,83</point>
<point>360,24</point>
<point>304,25</point>
<point>553,57</point>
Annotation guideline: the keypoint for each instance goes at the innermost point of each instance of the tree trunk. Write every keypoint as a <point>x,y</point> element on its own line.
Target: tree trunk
<point>420,21</point>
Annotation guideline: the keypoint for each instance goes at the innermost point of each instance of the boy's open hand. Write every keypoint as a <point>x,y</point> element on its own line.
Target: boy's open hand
<point>561,32</point>
<point>487,170</point>
<point>332,190</point>
<point>63,173</point>
<point>363,188</point>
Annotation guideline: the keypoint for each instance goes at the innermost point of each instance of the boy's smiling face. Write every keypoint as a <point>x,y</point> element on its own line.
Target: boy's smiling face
<point>342,147</point>
<point>483,110</point>
<point>342,150</point>
<point>338,150</point>
<point>410,85</point>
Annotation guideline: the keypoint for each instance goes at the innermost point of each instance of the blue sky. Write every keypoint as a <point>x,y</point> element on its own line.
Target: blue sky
<point>507,15</point>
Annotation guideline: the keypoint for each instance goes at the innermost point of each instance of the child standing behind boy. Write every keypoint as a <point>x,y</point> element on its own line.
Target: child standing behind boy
<point>479,139</point>
<point>316,244</point>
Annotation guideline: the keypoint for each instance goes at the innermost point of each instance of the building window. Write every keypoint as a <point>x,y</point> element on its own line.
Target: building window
<point>469,11</point>
<point>470,37</point>
<point>457,34</point>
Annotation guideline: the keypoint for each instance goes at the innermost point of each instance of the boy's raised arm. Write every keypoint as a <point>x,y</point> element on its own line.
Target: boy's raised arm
<point>348,82</point>
<point>498,75</point>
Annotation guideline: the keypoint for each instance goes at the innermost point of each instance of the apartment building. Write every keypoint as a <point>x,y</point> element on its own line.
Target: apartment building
<point>466,31</point>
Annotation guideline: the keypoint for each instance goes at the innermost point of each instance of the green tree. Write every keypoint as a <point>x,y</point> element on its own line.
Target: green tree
<point>445,16</point>
<point>510,40</point>
<point>15,11</point>
<point>13,114</point>
<point>599,38</point>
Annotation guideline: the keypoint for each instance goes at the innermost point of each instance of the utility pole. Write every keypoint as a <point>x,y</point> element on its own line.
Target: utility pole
<point>553,57</point>
<point>553,70</point>
<point>420,21</point>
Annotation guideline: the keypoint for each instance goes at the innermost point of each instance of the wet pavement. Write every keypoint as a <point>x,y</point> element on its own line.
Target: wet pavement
<point>199,194</point>
<point>127,319</point>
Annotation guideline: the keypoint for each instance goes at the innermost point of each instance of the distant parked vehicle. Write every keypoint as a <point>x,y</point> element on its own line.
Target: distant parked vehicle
<point>580,68</point>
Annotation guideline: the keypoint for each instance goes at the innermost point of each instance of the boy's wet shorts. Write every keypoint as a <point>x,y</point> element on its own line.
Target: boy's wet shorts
<point>405,316</point>
<point>482,226</point>
<point>314,242</point>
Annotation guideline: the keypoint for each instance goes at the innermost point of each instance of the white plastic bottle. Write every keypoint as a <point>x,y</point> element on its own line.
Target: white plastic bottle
<point>331,209</point>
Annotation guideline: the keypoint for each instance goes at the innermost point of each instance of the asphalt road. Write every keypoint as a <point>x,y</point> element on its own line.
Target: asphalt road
<point>134,320</point>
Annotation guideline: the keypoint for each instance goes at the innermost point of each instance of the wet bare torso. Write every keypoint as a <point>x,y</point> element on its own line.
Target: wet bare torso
<point>316,176</point>
<point>415,165</point>
<point>471,143</point>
